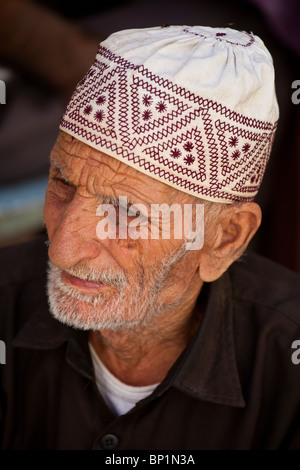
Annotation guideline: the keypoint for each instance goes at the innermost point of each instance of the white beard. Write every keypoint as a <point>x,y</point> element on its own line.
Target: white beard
<point>121,306</point>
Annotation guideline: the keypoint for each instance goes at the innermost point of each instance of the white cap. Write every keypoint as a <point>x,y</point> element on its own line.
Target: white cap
<point>192,106</point>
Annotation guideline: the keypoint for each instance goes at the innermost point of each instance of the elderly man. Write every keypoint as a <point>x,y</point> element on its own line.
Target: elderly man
<point>152,340</point>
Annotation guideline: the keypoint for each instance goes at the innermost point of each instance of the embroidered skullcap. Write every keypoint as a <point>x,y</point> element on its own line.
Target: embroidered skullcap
<point>194,107</point>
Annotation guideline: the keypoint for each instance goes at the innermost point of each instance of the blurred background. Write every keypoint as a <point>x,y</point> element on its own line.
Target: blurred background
<point>47,46</point>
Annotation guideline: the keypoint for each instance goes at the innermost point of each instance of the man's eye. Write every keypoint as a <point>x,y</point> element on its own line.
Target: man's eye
<point>136,211</point>
<point>64,182</point>
<point>63,188</point>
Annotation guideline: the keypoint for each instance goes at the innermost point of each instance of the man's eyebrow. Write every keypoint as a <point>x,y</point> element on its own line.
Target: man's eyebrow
<point>60,167</point>
<point>104,199</point>
<point>114,200</point>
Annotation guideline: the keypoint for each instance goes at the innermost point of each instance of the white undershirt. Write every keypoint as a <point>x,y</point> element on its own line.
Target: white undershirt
<point>118,396</point>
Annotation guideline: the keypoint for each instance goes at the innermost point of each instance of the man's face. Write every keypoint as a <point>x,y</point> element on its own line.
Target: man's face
<point>114,283</point>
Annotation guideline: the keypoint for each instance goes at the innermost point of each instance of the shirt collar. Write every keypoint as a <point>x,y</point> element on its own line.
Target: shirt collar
<point>42,331</point>
<point>206,370</point>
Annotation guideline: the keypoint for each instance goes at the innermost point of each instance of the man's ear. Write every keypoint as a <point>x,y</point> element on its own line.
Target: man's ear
<point>228,238</point>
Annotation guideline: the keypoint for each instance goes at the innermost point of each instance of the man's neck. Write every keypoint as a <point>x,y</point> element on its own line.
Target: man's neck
<point>144,356</point>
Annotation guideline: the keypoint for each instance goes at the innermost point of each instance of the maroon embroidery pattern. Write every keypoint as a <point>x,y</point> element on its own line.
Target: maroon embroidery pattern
<point>236,154</point>
<point>88,109</point>
<point>99,115</point>
<point>189,159</point>
<point>233,141</point>
<point>100,100</point>
<point>249,38</point>
<point>175,153</point>
<point>188,146</point>
<point>147,115</point>
<point>246,147</point>
<point>161,107</point>
<point>192,143</point>
<point>147,100</point>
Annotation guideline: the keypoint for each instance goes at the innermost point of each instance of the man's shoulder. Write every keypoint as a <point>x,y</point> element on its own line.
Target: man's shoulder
<point>23,261</point>
<point>268,284</point>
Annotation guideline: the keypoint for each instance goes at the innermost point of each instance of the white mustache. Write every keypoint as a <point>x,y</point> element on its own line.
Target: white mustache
<point>109,277</point>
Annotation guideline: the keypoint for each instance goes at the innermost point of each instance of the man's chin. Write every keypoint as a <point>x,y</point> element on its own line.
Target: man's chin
<point>88,315</point>
<point>110,309</point>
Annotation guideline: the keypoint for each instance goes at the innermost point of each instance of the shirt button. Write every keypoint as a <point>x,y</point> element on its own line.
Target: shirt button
<point>109,441</point>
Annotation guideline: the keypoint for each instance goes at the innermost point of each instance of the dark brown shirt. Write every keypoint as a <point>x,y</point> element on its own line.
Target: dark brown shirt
<point>234,387</point>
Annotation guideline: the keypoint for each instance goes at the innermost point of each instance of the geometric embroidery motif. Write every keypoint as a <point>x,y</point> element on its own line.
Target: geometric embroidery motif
<point>189,142</point>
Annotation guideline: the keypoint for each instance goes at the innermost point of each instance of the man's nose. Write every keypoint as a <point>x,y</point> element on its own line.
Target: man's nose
<point>74,239</point>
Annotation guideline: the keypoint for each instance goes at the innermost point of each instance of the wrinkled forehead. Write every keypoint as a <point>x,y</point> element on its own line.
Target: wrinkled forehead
<point>73,156</point>
<point>87,167</point>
